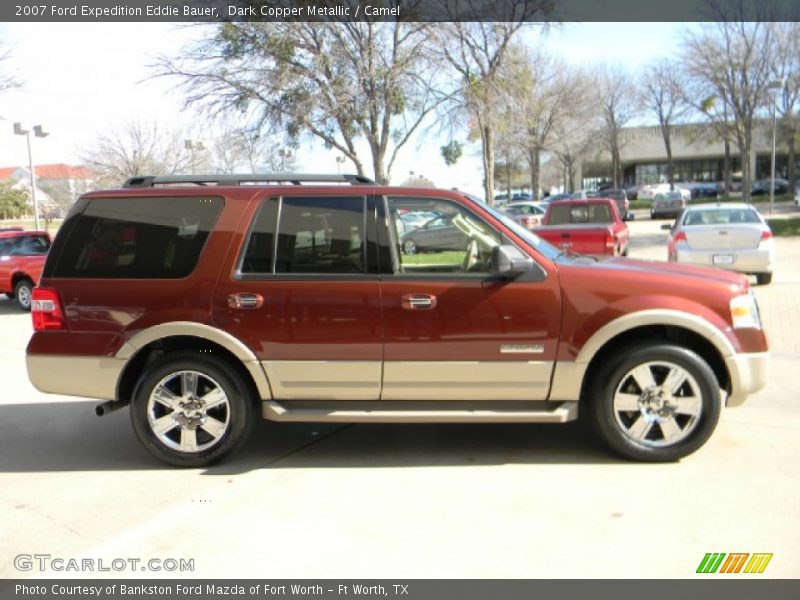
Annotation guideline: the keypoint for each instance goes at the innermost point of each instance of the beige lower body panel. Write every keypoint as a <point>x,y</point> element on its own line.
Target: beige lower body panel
<point>466,380</point>
<point>324,380</point>
<point>89,377</point>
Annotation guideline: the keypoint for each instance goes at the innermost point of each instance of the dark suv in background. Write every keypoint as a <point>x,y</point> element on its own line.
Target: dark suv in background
<point>201,302</point>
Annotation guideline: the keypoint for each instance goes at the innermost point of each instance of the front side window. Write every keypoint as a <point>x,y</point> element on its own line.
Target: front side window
<point>137,238</point>
<point>315,235</point>
<point>449,239</point>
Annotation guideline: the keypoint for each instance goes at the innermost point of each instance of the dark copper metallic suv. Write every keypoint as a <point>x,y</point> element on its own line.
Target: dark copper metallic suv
<point>201,301</point>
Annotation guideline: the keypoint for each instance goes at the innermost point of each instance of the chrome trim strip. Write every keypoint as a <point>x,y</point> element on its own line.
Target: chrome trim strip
<point>521,348</point>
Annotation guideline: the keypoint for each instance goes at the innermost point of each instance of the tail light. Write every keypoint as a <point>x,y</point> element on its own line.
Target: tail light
<point>679,237</point>
<point>530,221</point>
<point>46,310</point>
<point>766,235</point>
<point>609,242</point>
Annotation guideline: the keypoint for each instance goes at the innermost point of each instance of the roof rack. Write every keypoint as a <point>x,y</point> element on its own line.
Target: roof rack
<point>145,181</point>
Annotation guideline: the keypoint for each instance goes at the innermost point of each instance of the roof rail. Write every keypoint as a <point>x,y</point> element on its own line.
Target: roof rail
<point>145,181</point>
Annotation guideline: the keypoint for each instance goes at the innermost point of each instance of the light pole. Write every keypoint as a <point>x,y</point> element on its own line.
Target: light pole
<point>339,163</point>
<point>38,132</point>
<point>773,85</point>
<point>284,154</point>
<point>191,146</point>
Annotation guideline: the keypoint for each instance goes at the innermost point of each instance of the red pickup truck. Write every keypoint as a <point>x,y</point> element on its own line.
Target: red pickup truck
<point>589,226</point>
<point>22,256</point>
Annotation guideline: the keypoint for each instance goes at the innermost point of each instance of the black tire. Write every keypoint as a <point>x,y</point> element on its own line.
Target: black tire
<point>763,278</point>
<point>637,434</point>
<point>22,292</point>
<point>235,415</point>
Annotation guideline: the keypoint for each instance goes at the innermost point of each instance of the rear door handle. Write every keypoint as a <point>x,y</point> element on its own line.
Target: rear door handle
<point>418,301</point>
<point>245,300</point>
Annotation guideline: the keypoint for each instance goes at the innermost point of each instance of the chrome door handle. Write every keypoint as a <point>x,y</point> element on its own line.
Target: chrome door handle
<point>245,300</point>
<point>418,301</point>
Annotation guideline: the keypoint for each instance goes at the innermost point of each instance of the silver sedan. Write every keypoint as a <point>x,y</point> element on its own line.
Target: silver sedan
<point>728,236</point>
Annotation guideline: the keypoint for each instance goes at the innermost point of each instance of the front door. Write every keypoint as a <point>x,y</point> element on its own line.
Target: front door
<point>454,332</point>
<point>304,296</point>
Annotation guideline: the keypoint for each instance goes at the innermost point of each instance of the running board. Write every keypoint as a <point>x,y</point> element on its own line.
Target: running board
<point>419,412</point>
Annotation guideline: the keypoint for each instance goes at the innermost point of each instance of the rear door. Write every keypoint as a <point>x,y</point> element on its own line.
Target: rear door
<point>304,295</point>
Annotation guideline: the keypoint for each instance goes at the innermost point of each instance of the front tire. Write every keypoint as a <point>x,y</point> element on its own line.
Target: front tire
<point>23,292</point>
<point>189,410</point>
<point>763,278</point>
<point>656,403</point>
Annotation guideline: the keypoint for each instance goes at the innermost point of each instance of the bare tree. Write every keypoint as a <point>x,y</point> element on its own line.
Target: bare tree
<point>547,96</point>
<point>786,67</point>
<point>478,52</point>
<point>7,81</point>
<point>137,148</point>
<point>617,104</point>
<point>730,60</point>
<point>663,95</point>
<point>337,81</point>
<point>242,150</point>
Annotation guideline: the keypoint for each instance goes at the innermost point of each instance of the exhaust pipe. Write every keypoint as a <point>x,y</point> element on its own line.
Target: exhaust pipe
<point>108,407</point>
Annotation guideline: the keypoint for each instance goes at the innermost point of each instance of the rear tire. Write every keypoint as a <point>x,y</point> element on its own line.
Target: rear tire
<point>655,403</point>
<point>23,292</point>
<point>189,410</point>
<point>764,278</point>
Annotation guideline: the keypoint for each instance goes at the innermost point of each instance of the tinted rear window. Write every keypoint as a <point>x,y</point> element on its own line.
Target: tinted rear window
<point>136,238</point>
<point>579,213</point>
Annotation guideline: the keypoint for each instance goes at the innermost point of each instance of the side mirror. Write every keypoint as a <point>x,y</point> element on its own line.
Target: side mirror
<point>667,226</point>
<point>509,261</point>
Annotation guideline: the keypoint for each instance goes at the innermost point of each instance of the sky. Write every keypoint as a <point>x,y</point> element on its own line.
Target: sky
<point>85,78</point>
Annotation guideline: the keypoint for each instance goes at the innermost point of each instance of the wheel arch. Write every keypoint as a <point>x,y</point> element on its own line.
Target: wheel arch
<point>711,346</point>
<point>145,347</point>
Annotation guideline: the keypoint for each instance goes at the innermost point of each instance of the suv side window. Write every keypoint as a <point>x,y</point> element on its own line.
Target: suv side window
<point>439,236</point>
<point>137,238</point>
<point>315,235</point>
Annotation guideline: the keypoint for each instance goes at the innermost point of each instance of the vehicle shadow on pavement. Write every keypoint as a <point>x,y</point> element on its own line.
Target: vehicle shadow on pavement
<point>67,436</point>
<point>9,307</point>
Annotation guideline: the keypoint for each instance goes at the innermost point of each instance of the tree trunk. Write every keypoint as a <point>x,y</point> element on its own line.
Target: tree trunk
<point>487,140</point>
<point>670,166</point>
<point>744,152</point>
<point>535,162</point>
<point>792,157</point>
<point>726,166</point>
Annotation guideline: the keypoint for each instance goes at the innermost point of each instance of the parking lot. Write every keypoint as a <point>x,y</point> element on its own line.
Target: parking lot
<point>407,501</point>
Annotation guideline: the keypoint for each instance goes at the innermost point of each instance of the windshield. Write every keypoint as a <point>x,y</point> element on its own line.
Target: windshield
<point>531,238</point>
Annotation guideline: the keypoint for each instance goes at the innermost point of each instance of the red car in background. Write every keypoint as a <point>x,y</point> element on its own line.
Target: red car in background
<point>592,226</point>
<point>22,256</point>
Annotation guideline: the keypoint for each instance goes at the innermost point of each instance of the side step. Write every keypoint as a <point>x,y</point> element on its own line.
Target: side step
<point>419,412</point>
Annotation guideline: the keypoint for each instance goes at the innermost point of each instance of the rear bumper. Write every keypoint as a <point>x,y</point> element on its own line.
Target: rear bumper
<point>749,373</point>
<point>744,261</point>
<point>86,376</point>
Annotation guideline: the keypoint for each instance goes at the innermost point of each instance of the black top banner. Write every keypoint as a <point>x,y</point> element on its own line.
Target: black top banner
<point>397,10</point>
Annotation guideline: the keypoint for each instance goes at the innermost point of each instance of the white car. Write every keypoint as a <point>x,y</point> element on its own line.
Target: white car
<point>649,192</point>
<point>728,236</point>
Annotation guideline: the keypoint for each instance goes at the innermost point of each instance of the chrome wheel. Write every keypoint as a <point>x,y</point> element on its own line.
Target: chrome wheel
<point>188,411</point>
<point>409,247</point>
<point>657,404</point>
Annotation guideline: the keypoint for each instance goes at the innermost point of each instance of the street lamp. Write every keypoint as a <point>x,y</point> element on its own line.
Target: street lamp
<point>778,84</point>
<point>38,132</point>
<point>339,163</point>
<point>191,146</point>
<point>284,153</point>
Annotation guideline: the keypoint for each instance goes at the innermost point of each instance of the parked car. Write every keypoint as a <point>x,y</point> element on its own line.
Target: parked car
<point>22,256</point>
<point>633,192</point>
<point>762,187</point>
<point>437,234</point>
<point>201,302</point>
<point>555,198</point>
<point>591,227</point>
<point>668,204</point>
<point>728,236</point>
<point>649,192</point>
<point>527,214</point>
<point>621,198</point>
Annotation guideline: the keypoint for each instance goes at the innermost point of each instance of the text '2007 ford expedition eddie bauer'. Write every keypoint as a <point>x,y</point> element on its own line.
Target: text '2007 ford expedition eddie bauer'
<point>201,301</point>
